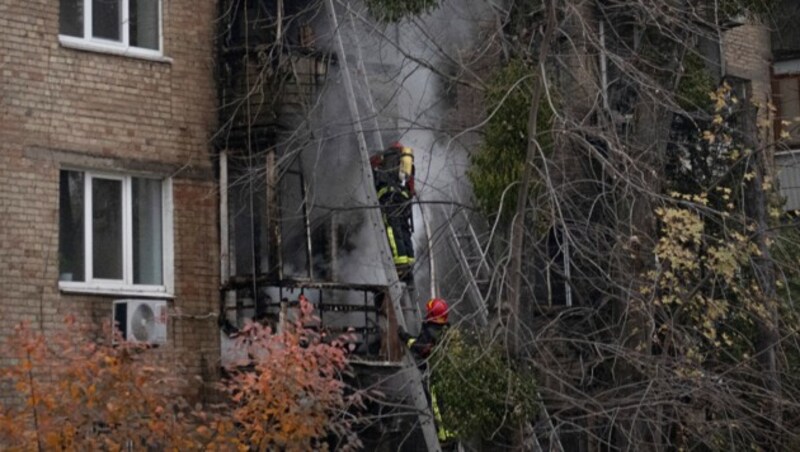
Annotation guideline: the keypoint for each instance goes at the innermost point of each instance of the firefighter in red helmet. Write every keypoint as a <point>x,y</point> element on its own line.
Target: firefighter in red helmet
<point>433,328</point>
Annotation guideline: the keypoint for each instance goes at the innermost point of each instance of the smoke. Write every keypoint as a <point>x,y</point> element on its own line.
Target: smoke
<point>403,75</point>
<point>431,53</point>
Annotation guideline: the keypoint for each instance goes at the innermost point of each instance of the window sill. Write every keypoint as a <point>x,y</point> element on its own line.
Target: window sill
<point>101,47</point>
<point>787,67</point>
<point>79,288</point>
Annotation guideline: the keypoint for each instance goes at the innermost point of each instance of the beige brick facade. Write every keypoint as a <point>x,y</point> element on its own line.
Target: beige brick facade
<point>61,106</point>
<point>748,55</point>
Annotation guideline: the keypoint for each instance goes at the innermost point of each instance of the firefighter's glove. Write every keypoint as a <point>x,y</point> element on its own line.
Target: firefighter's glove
<point>403,334</point>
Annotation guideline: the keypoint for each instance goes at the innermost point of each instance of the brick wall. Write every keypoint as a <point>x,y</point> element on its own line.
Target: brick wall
<point>61,106</point>
<point>748,55</point>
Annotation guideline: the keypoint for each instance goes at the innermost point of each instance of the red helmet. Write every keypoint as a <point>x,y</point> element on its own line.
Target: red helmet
<point>375,161</point>
<point>436,311</point>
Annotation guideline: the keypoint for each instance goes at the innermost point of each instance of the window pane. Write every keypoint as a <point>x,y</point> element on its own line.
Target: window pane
<point>71,18</point>
<point>107,228</point>
<point>789,104</point>
<point>147,231</point>
<point>245,204</point>
<point>70,227</point>
<point>788,165</point>
<point>106,19</point>
<point>143,15</point>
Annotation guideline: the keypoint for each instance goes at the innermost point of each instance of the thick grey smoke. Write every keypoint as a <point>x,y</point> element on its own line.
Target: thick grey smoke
<point>406,101</point>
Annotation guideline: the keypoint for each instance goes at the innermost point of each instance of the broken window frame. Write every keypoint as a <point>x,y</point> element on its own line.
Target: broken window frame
<point>121,46</point>
<point>270,246</point>
<point>780,100</point>
<point>125,285</point>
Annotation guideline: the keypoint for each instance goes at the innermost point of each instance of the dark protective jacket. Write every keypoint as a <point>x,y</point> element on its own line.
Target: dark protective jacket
<point>422,345</point>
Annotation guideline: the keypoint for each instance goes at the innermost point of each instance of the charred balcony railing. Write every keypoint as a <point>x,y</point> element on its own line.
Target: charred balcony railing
<point>360,311</point>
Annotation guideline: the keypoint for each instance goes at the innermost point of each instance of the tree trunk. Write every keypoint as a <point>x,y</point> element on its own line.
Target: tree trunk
<point>756,209</point>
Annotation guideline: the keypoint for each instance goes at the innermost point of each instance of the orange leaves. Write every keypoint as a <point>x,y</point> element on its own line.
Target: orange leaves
<point>87,395</point>
<point>291,395</point>
<point>82,394</point>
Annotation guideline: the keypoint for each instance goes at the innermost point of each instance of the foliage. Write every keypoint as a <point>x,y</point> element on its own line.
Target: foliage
<point>76,393</point>
<point>711,287</point>
<point>479,391</point>
<point>708,161</point>
<point>786,252</point>
<point>701,284</point>
<point>396,10</point>
<point>498,163</point>
<point>684,363</point>
<point>521,15</point>
<point>695,84</point>
<point>79,394</point>
<point>289,395</point>
<point>705,248</point>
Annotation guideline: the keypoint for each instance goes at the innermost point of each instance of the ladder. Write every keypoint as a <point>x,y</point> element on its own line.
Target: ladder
<point>471,255</point>
<point>399,297</point>
<point>546,428</point>
<point>471,252</point>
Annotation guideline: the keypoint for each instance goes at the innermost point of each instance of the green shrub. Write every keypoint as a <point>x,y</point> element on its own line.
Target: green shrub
<point>480,392</point>
<point>498,163</point>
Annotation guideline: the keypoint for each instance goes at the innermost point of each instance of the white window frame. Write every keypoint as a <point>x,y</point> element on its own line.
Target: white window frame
<point>122,47</point>
<point>125,286</point>
<point>791,153</point>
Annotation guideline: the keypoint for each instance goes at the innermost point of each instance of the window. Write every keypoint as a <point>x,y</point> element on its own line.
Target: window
<point>114,233</point>
<point>786,94</point>
<point>132,27</point>
<point>788,166</point>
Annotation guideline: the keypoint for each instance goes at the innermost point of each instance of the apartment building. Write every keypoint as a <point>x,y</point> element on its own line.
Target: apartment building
<point>107,190</point>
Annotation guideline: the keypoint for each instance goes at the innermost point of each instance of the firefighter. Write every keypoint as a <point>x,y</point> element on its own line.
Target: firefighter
<point>393,171</point>
<point>433,328</point>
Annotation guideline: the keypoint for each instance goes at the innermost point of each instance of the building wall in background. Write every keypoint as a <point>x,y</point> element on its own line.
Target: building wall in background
<point>62,107</point>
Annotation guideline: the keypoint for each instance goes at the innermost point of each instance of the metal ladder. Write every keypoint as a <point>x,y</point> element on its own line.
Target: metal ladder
<point>546,427</point>
<point>398,293</point>
<point>472,255</point>
<point>473,260</point>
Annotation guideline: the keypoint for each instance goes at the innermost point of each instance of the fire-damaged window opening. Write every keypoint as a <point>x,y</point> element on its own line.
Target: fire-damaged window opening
<point>269,67</point>
<point>269,233</point>
<point>356,312</point>
<point>270,72</point>
<point>269,230</point>
<point>272,252</point>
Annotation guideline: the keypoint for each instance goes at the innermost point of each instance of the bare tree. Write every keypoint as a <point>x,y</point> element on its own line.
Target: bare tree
<point>622,195</point>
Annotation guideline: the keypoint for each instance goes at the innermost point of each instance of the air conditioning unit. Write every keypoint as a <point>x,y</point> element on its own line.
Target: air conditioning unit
<point>142,321</point>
